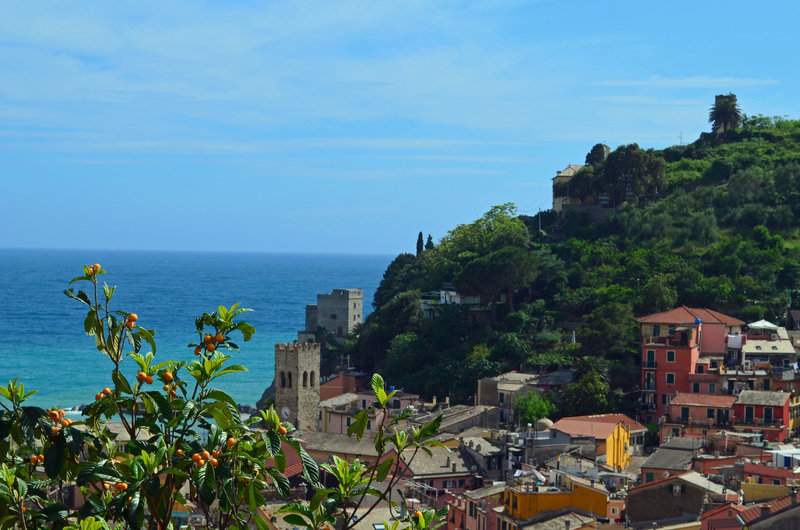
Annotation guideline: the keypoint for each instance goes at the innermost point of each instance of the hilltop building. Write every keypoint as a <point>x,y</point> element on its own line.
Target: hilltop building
<point>562,179</point>
<point>337,313</point>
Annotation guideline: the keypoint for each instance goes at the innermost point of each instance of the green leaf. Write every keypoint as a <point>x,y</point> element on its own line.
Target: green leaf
<point>147,335</point>
<point>273,443</point>
<point>108,292</point>
<point>281,483</point>
<point>310,467</point>
<point>295,519</point>
<point>121,382</point>
<point>359,426</point>
<point>377,388</point>
<point>382,469</point>
<point>234,368</point>
<point>430,429</point>
<point>54,457</point>
<point>219,395</point>
<point>280,461</point>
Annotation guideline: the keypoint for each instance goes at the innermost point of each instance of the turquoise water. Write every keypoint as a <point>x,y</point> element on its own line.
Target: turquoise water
<point>41,330</point>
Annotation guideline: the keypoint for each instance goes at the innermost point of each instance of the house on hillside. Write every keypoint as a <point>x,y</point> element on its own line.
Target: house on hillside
<point>561,195</point>
<point>765,412</point>
<point>697,415</point>
<point>672,343</point>
<point>674,499</point>
<point>611,434</point>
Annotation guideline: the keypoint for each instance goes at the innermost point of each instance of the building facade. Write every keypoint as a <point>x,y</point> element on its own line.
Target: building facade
<point>297,383</point>
<point>336,313</point>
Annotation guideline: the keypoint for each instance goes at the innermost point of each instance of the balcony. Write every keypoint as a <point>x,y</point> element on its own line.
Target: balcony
<point>679,340</point>
<point>757,422</point>
<point>649,386</point>
<point>695,422</point>
<point>649,364</point>
<point>648,407</point>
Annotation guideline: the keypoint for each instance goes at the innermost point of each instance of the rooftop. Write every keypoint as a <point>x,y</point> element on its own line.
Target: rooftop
<point>689,315</point>
<point>443,462</point>
<point>597,426</point>
<point>762,397</point>
<point>338,401</point>
<point>768,347</point>
<point>670,459</point>
<point>703,400</point>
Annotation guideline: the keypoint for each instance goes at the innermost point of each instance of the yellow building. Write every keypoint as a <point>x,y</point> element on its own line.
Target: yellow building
<point>562,179</point>
<point>527,500</point>
<point>611,434</point>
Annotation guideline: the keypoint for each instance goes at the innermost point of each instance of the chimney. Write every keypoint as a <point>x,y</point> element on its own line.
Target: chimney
<point>765,509</point>
<point>793,495</point>
<point>448,462</point>
<point>454,467</point>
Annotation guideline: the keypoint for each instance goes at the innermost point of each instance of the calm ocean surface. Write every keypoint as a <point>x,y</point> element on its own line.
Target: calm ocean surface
<point>41,330</point>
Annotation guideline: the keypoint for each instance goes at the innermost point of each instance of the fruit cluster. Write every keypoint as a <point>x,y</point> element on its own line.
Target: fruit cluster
<point>130,319</point>
<point>58,417</point>
<point>209,343</point>
<point>100,395</point>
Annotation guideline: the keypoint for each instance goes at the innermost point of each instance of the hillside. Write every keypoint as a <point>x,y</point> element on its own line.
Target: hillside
<point>710,224</point>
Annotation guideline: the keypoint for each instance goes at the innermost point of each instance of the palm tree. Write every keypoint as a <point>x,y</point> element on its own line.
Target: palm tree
<point>725,114</point>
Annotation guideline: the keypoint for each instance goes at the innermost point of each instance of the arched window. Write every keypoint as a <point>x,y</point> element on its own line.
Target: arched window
<point>283,380</point>
<point>312,378</point>
<point>305,379</point>
<point>290,379</point>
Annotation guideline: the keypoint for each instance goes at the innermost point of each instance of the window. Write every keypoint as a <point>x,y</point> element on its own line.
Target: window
<point>348,422</point>
<point>305,379</point>
<point>290,379</point>
<point>696,388</point>
<point>684,414</point>
<point>776,482</point>
<point>369,425</point>
<point>712,388</point>
<point>461,483</point>
<point>713,365</point>
<point>710,414</point>
<point>670,356</point>
<point>670,379</point>
<point>648,477</point>
<point>656,330</point>
<point>312,378</point>
<point>363,403</point>
<point>767,414</point>
<point>663,399</point>
<point>701,369</point>
<point>472,509</point>
<point>766,384</point>
<point>502,398</point>
<point>283,379</point>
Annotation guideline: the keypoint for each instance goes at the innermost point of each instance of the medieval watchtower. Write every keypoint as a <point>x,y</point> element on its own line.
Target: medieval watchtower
<point>297,383</point>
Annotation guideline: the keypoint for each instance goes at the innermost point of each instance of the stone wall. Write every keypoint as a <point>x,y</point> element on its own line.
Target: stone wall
<point>297,383</point>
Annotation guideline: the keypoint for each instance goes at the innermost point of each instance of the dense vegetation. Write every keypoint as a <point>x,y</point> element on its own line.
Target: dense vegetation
<point>709,224</point>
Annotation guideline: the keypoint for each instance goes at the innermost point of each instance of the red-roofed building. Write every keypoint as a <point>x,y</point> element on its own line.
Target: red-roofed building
<point>775,513</point>
<point>765,412</point>
<point>697,415</point>
<point>611,432</point>
<point>672,342</point>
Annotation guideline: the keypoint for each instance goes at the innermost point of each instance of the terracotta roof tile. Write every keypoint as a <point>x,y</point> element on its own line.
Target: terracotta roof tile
<point>775,505</point>
<point>688,315</point>
<point>704,400</point>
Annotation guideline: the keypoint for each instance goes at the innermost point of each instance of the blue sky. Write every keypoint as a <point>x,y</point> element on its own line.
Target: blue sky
<point>347,126</point>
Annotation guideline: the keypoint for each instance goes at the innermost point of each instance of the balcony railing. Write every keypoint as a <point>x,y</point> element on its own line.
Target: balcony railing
<point>757,422</point>
<point>695,422</point>
<point>649,387</point>
<point>650,364</point>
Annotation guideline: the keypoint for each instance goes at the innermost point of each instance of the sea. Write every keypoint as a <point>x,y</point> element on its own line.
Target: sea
<point>42,339</point>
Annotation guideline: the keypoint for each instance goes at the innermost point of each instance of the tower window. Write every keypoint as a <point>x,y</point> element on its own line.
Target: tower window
<point>312,378</point>
<point>290,379</point>
<point>305,379</point>
<point>283,380</point>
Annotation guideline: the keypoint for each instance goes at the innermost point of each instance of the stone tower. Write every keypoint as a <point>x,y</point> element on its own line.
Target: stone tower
<point>339,312</point>
<point>297,383</point>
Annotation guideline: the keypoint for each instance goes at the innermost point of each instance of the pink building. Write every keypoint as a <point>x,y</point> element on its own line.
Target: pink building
<point>336,413</point>
<point>474,509</point>
<point>697,415</point>
<point>672,343</point>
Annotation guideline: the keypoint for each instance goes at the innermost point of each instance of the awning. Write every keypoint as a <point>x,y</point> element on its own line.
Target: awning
<point>762,324</point>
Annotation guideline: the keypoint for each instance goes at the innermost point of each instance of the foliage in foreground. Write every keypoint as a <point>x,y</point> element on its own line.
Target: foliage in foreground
<point>187,443</point>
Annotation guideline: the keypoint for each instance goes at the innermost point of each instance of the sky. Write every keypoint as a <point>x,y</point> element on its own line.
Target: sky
<point>347,126</point>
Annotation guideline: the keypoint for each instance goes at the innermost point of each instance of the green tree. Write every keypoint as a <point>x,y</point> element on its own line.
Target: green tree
<point>532,408</point>
<point>597,154</point>
<point>725,114</point>
<point>420,246</point>
<point>630,169</point>
<point>429,243</point>
<point>507,269</point>
<point>590,395</point>
<point>402,274</point>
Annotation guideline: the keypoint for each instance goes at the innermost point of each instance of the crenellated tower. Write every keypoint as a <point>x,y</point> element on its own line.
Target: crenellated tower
<point>297,383</point>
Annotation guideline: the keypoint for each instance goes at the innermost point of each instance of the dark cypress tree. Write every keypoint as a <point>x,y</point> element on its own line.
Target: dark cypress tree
<point>429,243</point>
<point>419,245</point>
